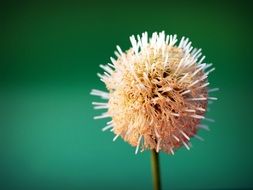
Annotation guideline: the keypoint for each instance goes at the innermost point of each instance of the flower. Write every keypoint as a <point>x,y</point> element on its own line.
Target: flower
<point>158,92</point>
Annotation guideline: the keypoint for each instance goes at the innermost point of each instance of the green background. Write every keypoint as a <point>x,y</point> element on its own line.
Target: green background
<point>50,54</point>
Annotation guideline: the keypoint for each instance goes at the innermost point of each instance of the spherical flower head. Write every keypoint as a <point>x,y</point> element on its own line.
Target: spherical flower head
<point>158,92</point>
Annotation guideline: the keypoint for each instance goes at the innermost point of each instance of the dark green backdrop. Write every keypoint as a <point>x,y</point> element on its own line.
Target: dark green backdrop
<point>49,59</point>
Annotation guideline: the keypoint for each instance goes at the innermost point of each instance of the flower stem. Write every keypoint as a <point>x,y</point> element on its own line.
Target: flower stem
<point>155,170</point>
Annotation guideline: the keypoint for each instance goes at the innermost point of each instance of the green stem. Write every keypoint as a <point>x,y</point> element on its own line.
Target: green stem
<point>155,170</point>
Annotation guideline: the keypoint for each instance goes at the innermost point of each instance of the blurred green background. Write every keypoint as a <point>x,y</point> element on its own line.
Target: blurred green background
<point>49,58</point>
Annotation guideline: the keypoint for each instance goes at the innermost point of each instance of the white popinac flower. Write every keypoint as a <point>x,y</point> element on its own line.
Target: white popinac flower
<point>158,92</point>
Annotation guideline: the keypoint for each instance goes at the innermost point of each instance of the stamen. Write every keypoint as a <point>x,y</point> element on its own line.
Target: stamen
<point>186,145</point>
<point>175,114</point>
<point>198,137</point>
<point>197,116</point>
<point>196,99</point>
<point>200,109</point>
<point>104,115</point>
<point>138,144</point>
<point>185,92</point>
<point>172,151</point>
<point>107,127</point>
<point>186,136</point>
<point>114,139</point>
<point>210,120</point>
<point>175,137</point>
<point>213,90</point>
<point>205,127</point>
<point>190,110</point>
<point>212,98</point>
<point>158,145</point>
<point>102,94</point>
<point>119,50</point>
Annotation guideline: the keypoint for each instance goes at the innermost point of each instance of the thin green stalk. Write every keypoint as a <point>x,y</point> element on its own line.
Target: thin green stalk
<point>155,170</point>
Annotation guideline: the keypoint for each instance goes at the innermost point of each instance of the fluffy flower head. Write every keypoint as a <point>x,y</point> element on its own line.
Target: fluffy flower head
<point>158,92</point>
